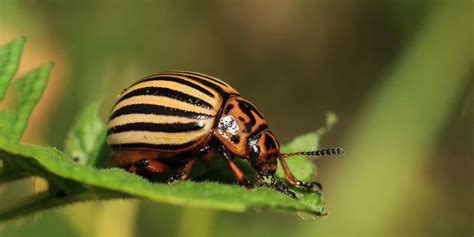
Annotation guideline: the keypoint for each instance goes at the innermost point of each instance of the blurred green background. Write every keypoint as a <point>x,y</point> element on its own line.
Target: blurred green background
<point>399,74</point>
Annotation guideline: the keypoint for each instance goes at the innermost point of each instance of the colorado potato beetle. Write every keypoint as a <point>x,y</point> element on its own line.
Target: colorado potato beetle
<point>170,120</point>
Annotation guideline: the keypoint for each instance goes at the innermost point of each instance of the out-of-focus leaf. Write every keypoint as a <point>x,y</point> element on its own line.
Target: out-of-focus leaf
<point>28,90</point>
<point>83,138</point>
<point>9,61</point>
<point>302,167</point>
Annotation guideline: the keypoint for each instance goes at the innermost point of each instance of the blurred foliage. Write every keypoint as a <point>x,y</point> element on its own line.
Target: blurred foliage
<point>85,141</point>
<point>9,56</point>
<point>398,73</point>
<point>28,90</point>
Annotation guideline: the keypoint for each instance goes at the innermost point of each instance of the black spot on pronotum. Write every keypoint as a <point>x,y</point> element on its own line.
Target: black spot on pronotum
<point>248,127</point>
<point>247,109</point>
<point>269,142</point>
<point>228,108</point>
<point>75,159</point>
<point>235,139</point>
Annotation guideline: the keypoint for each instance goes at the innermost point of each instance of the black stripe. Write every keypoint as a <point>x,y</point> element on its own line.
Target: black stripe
<point>157,110</point>
<point>153,146</point>
<point>228,108</point>
<point>178,80</point>
<point>207,83</point>
<point>205,76</point>
<point>157,127</point>
<point>170,93</point>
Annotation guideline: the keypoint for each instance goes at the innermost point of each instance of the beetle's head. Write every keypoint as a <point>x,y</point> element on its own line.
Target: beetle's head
<point>264,150</point>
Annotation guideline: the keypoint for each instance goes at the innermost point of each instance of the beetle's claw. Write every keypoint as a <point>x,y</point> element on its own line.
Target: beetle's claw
<point>309,185</point>
<point>277,185</point>
<point>246,184</point>
<point>176,177</point>
<point>281,187</point>
<point>171,180</point>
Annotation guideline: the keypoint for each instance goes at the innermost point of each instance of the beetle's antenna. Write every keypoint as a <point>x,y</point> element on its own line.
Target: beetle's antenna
<point>323,152</point>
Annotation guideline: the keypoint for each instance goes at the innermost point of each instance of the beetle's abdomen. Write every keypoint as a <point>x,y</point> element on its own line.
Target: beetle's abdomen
<point>169,111</point>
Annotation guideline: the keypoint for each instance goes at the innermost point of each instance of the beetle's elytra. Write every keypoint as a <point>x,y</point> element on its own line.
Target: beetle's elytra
<point>171,119</point>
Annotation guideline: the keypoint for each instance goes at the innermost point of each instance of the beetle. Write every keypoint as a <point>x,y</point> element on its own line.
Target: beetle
<point>171,119</point>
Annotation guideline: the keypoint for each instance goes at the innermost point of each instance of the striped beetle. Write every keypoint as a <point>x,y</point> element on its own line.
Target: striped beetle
<point>171,119</point>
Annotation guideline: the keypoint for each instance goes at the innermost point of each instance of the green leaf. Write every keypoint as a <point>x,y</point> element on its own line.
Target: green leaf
<point>28,90</point>
<point>301,166</point>
<point>87,132</point>
<point>59,168</point>
<point>9,61</point>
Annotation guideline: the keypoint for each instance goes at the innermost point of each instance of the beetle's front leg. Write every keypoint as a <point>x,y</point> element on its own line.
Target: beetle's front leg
<point>290,178</point>
<point>309,185</point>
<point>221,150</point>
<point>274,184</point>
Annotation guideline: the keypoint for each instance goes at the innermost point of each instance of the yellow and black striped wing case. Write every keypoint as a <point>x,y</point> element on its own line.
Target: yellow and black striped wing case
<point>169,111</point>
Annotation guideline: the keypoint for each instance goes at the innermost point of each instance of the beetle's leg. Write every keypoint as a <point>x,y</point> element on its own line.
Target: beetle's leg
<point>277,185</point>
<point>182,173</point>
<point>187,169</point>
<point>149,165</point>
<point>281,187</point>
<point>238,173</point>
<point>290,178</point>
<point>204,153</point>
